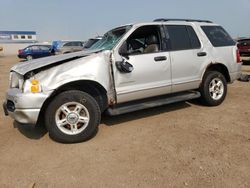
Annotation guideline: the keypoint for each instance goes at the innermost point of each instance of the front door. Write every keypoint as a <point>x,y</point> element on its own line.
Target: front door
<point>151,73</point>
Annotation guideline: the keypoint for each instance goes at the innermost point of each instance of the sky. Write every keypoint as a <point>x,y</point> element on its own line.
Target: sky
<point>80,20</point>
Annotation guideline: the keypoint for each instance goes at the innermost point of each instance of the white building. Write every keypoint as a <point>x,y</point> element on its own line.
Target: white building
<point>17,36</point>
<point>12,41</point>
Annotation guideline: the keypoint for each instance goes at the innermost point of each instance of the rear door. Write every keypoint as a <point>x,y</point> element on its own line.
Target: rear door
<point>68,47</point>
<point>187,57</point>
<point>78,46</point>
<point>45,51</point>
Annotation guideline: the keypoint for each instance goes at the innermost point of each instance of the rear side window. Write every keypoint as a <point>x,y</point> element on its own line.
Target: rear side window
<point>179,38</point>
<point>44,48</point>
<point>182,37</point>
<point>69,44</point>
<point>218,36</point>
<point>35,48</point>
<point>195,43</point>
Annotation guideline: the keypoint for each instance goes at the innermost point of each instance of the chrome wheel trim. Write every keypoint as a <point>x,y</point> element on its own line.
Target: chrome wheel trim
<point>29,57</point>
<point>72,118</point>
<point>216,89</point>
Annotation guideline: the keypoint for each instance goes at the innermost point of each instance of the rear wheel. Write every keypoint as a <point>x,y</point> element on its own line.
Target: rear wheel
<point>73,116</point>
<point>29,57</point>
<point>213,88</point>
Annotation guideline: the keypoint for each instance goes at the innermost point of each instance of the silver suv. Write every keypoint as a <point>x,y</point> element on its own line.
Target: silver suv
<point>132,67</point>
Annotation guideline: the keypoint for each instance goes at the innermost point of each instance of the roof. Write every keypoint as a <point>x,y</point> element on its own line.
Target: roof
<point>181,20</point>
<point>17,32</point>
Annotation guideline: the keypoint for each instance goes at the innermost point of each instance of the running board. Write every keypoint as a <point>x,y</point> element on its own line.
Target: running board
<point>151,102</point>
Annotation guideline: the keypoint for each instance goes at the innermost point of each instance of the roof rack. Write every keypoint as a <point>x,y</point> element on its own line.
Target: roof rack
<point>184,20</point>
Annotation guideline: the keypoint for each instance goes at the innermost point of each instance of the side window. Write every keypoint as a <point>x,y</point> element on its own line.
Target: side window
<point>35,48</point>
<point>218,36</point>
<point>179,37</point>
<point>146,39</point>
<point>74,43</point>
<point>195,43</point>
<point>79,44</point>
<point>44,48</point>
<point>68,44</point>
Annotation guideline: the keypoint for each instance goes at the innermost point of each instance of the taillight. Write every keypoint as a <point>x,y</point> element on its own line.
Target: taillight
<point>238,56</point>
<point>20,51</point>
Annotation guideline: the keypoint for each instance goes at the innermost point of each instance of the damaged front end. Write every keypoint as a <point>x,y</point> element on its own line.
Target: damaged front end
<point>33,82</point>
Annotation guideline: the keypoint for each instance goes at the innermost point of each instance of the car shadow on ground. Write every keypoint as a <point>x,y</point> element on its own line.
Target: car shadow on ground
<point>31,131</point>
<point>115,120</point>
<point>38,131</point>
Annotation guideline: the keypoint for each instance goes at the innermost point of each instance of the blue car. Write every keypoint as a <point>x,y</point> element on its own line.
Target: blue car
<point>35,51</point>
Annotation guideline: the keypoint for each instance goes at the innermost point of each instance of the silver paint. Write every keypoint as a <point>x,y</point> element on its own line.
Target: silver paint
<point>146,80</point>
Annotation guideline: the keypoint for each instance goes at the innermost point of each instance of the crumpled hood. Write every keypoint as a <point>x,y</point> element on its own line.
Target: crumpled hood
<point>27,66</point>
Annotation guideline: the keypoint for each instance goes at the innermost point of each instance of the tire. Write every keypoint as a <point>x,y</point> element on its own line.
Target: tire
<point>72,116</point>
<point>213,88</point>
<point>29,57</point>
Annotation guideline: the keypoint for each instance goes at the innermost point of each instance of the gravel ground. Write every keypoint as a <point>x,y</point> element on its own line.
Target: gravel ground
<point>178,145</point>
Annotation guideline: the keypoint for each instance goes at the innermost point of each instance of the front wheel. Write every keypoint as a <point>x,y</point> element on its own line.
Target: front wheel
<point>73,116</point>
<point>213,88</point>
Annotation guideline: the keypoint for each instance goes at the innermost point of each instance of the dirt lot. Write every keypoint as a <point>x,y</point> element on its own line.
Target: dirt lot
<point>179,145</point>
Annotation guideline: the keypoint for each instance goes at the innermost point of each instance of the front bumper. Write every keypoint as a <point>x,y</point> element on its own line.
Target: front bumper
<point>24,107</point>
<point>5,109</point>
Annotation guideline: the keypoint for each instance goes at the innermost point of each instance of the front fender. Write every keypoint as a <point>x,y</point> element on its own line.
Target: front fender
<point>92,68</point>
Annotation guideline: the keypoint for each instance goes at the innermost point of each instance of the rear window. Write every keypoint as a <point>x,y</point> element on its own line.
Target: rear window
<point>195,43</point>
<point>244,42</point>
<point>218,36</point>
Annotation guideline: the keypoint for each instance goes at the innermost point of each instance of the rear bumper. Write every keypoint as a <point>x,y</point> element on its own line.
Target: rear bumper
<point>21,56</point>
<point>235,76</point>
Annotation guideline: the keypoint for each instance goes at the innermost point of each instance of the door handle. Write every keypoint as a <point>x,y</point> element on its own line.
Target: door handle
<point>160,58</point>
<point>200,54</point>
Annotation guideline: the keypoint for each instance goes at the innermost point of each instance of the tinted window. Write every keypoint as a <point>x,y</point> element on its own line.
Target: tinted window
<point>218,36</point>
<point>79,44</point>
<point>195,43</point>
<point>244,42</point>
<point>179,38</point>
